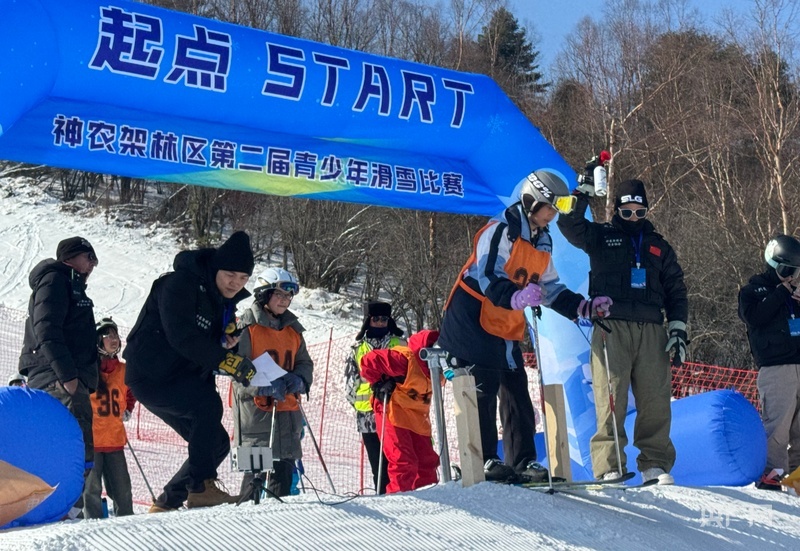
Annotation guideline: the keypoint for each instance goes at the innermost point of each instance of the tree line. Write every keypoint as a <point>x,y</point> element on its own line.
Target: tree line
<point>707,114</point>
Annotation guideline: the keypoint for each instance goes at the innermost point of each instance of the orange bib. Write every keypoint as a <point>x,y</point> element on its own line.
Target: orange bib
<point>108,408</point>
<point>525,265</point>
<point>281,345</point>
<point>410,404</point>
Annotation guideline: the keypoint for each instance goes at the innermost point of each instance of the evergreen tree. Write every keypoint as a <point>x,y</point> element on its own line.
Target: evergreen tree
<point>509,57</point>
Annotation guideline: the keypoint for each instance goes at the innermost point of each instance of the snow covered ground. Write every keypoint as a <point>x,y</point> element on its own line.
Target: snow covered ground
<point>131,258</point>
<point>485,516</point>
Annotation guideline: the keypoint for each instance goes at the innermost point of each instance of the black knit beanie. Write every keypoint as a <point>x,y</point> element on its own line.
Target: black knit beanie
<point>631,191</point>
<point>72,247</point>
<point>235,255</point>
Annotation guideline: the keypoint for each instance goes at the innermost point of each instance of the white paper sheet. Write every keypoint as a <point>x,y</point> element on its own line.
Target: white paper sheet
<point>266,371</point>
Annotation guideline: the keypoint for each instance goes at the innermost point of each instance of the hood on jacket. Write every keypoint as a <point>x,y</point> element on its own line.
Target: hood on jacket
<point>45,267</point>
<point>422,339</point>
<point>256,314</point>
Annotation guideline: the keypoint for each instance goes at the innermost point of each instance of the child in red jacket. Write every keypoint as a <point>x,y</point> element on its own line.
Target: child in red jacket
<point>404,378</point>
<point>112,403</point>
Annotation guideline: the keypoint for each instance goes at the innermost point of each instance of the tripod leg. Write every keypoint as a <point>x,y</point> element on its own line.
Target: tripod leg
<point>258,487</point>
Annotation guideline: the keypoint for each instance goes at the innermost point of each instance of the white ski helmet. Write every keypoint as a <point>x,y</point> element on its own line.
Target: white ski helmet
<point>271,279</point>
<point>543,186</point>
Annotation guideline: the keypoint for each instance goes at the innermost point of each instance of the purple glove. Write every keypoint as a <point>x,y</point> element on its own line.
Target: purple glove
<point>531,295</point>
<point>597,307</point>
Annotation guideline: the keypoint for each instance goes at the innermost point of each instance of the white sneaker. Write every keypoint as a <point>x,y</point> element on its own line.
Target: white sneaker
<point>611,475</point>
<point>664,478</point>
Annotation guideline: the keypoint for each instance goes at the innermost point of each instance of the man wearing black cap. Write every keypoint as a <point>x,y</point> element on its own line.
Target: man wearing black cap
<point>379,331</point>
<point>59,350</point>
<point>639,270</point>
<point>184,335</point>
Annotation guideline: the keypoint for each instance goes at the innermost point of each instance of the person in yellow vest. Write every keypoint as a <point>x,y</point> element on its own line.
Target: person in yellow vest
<point>404,379</point>
<point>112,403</point>
<point>271,328</point>
<point>379,331</point>
<point>509,269</point>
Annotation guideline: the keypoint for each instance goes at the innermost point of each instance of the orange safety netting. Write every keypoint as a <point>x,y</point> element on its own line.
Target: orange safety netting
<point>160,451</point>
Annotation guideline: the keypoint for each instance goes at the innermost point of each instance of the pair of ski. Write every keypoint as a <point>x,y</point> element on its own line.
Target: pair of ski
<point>552,485</point>
<point>583,484</point>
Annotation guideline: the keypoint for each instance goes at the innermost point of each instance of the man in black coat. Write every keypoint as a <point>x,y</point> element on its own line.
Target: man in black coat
<point>770,307</point>
<point>59,350</point>
<point>182,338</point>
<point>635,266</point>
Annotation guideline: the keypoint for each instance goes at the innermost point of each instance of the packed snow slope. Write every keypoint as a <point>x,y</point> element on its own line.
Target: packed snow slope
<point>485,516</point>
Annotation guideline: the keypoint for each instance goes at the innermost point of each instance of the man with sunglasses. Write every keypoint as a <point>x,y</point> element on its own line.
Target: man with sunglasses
<point>59,350</point>
<point>639,270</point>
<point>769,305</point>
<point>510,268</point>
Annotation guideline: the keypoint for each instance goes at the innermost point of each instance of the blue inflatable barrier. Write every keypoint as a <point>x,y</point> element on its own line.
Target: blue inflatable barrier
<point>718,437</point>
<point>39,435</point>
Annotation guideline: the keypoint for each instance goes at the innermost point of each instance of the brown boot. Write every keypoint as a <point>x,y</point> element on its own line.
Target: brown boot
<point>156,508</point>
<point>210,496</point>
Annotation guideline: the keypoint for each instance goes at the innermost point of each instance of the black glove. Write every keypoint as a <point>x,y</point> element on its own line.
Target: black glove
<point>382,390</point>
<point>238,367</point>
<point>678,339</point>
<point>295,384</point>
<point>275,390</point>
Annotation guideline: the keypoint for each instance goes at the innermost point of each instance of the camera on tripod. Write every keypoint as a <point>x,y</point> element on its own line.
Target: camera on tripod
<point>251,458</point>
<point>595,175</point>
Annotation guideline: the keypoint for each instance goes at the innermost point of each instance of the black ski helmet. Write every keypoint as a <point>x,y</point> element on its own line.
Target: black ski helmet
<point>102,327</point>
<point>542,186</point>
<point>105,324</point>
<point>783,254</point>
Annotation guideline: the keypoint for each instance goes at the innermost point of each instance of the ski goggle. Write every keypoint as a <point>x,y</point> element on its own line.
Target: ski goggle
<point>288,287</point>
<point>785,270</point>
<point>565,204</point>
<point>627,214</point>
<point>380,319</point>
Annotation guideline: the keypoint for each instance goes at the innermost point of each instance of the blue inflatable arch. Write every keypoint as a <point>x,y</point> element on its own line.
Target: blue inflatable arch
<point>126,88</point>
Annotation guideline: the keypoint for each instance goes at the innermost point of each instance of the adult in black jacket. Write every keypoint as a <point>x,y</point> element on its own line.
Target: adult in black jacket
<point>770,307</point>
<point>59,350</point>
<point>639,270</point>
<point>182,337</point>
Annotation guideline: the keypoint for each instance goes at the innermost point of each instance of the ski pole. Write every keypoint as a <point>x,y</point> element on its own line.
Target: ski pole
<point>141,471</point>
<point>530,317</point>
<point>272,424</point>
<point>380,459</point>
<point>314,441</point>
<point>605,329</point>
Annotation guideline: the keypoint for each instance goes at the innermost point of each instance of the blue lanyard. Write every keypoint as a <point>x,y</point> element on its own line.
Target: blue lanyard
<point>227,315</point>
<point>791,307</point>
<point>637,248</point>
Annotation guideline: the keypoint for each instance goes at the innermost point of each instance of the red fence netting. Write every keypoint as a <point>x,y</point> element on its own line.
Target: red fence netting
<point>160,451</point>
